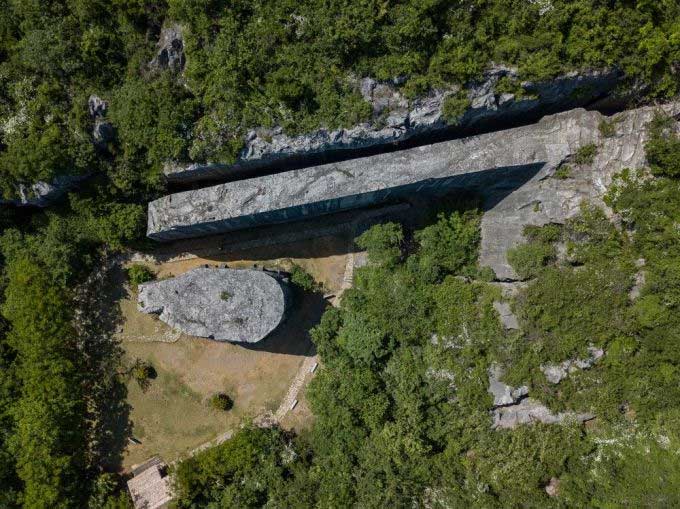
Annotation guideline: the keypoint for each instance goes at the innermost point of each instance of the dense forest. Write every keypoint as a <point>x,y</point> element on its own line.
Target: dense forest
<point>400,419</point>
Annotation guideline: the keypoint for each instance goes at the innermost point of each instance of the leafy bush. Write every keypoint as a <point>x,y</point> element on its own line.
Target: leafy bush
<point>454,107</point>
<point>143,372</point>
<point>450,245</point>
<point>547,233</point>
<point>528,260</point>
<point>221,401</point>
<point>225,295</point>
<point>383,243</point>
<point>138,274</point>
<point>302,279</point>
<point>663,147</point>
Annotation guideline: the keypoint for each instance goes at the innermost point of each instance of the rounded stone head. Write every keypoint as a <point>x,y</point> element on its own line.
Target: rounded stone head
<point>242,306</point>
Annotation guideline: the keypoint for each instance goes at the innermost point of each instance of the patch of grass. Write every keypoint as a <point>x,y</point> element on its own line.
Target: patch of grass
<point>225,295</point>
<point>586,154</point>
<point>563,172</point>
<point>607,128</point>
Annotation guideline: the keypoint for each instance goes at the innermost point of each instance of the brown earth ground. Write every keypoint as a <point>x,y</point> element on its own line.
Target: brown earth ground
<point>171,418</point>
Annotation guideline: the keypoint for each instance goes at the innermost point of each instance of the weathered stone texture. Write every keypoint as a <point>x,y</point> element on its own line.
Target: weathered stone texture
<point>170,50</point>
<point>529,411</point>
<point>547,199</point>
<point>323,189</point>
<point>223,304</point>
<point>396,120</point>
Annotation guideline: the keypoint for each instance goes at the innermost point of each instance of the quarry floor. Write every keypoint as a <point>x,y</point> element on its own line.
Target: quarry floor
<point>172,418</point>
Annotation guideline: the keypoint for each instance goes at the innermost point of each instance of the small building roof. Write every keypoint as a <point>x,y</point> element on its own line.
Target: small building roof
<point>150,488</point>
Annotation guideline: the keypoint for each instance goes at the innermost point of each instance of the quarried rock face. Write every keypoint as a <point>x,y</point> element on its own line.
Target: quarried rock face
<point>395,119</point>
<point>489,162</point>
<point>549,197</point>
<point>242,306</point>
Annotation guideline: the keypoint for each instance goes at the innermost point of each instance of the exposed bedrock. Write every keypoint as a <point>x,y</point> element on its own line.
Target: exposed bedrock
<point>42,194</point>
<point>497,160</point>
<point>545,198</point>
<point>396,120</point>
<point>242,306</point>
<point>514,169</point>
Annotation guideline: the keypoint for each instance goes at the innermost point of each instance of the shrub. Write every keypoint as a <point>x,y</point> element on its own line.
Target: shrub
<point>529,259</point>
<point>607,128</point>
<point>451,244</point>
<point>221,401</point>
<point>225,295</point>
<point>586,154</point>
<point>138,274</point>
<point>547,233</point>
<point>663,147</point>
<point>143,372</point>
<point>383,243</point>
<point>454,107</point>
<point>302,279</point>
<point>486,274</point>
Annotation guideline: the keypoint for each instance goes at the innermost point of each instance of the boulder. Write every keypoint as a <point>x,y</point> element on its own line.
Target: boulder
<point>170,55</point>
<point>502,393</point>
<point>555,373</point>
<point>242,306</point>
<point>529,411</point>
<point>96,106</point>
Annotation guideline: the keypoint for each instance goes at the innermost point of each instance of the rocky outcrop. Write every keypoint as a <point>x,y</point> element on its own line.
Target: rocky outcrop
<point>529,411</point>
<point>242,306</point>
<point>170,55</point>
<point>502,393</point>
<point>102,130</point>
<point>43,194</point>
<point>396,120</point>
<point>553,198</point>
<point>490,162</point>
<point>555,373</point>
<point>512,407</point>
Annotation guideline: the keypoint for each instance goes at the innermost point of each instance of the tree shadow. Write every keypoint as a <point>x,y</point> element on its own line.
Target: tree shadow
<point>98,319</point>
<point>292,336</point>
<point>282,236</point>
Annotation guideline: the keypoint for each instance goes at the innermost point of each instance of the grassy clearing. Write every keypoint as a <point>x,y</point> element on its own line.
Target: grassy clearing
<point>173,416</point>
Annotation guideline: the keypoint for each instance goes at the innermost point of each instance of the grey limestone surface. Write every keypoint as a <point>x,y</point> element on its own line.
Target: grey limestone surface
<point>395,119</point>
<point>547,199</point>
<point>502,393</point>
<point>359,182</point>
<point>242,306</point>
<point>524,191</point>
<point>555,373</point>
<point>529,411</point>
